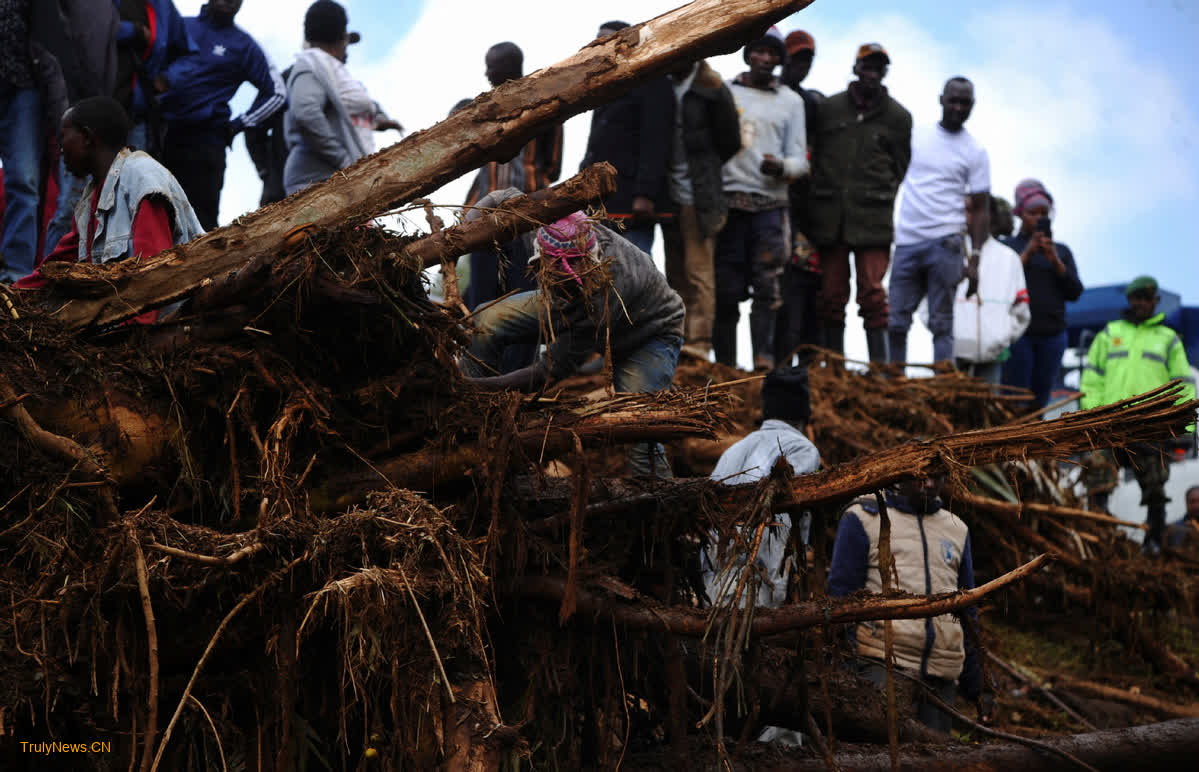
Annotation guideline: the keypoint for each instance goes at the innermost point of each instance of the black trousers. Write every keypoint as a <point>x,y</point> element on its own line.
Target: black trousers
<point>798,320</point>
<point>200,169</point>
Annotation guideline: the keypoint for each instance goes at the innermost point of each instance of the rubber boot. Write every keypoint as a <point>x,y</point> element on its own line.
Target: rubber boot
<point>898,340</point>
<point>876,344</point>
<point>1157,527</point>
<point>834,337</point>
<point>761,336</point>
<point>724,334</point>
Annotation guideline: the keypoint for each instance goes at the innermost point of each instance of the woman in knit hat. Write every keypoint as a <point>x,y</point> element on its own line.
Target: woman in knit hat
<point>1051,277</point>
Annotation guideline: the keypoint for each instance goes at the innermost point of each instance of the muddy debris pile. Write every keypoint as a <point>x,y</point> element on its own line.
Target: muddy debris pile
<point>278,531</point>
<point>281,529</point>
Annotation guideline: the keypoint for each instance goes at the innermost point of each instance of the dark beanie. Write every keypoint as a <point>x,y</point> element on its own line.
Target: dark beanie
<point>772,38</point>
<point>786,396</point>
<point>325,22</point>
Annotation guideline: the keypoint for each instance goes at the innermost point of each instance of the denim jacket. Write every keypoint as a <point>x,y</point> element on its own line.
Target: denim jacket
<point>132,176</point>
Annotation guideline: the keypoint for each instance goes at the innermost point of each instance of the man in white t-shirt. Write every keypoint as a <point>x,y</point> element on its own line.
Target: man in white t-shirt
<point>930,257</point>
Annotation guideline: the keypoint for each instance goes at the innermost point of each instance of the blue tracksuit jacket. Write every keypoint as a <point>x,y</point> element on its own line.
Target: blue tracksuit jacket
<point>201,85</point>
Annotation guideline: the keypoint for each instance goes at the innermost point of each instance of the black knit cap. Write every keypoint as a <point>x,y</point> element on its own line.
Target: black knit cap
<point>325,22</point>
<point>772,38</point>
<point>786,395</point>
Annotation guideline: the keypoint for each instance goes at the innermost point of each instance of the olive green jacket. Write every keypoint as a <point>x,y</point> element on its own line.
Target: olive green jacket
<point>858,161</point>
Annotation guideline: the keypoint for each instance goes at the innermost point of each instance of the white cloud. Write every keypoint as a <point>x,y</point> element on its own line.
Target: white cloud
<point>1061,96</point>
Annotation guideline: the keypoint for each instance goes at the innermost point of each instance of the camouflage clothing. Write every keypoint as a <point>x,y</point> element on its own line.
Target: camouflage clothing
<point>1148,463</point>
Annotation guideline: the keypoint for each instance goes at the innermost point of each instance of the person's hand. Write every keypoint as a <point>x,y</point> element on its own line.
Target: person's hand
<point>986,709</point>
<point>643,208</point>
<point>971,274</point>
<point>161,84</point>
<point>527,379</point>
<point>1030,249</point>
<point>485,383</point>
<point>771,166</point>
<point>1049,249</point>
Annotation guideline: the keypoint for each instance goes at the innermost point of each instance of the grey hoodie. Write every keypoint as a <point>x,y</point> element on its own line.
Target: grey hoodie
<point>320,135</point>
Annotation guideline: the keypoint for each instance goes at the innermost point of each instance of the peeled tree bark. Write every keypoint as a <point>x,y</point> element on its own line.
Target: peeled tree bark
<point>493,127</point>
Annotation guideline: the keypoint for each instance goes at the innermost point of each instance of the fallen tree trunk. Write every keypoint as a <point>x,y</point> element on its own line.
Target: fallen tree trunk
<point>493,127</point>
<point>1169,745</point>
<point>682,620</point>
<point>995,506</point>
<point>1149,417</point>
<point>516,216</point>
<point>622,419</point>
<point>1130,698</point>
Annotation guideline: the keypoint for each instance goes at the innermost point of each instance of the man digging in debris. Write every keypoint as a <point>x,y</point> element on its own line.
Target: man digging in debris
<point>1131,356</point>
<point>596,293</point>
<point>931,550</point>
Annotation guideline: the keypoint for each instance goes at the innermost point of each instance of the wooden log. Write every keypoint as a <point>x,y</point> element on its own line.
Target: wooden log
<point>1149,417</point>
<point>681,620</point>
<point>625,418</point>
<point>493,127</point>
<point>516,216</point>
<point>1168,745</point>
<point>1018,510</point>
<point>1131,698</point>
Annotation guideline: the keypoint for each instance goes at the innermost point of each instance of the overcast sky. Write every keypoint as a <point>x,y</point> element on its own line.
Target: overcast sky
<point>1094,98</point>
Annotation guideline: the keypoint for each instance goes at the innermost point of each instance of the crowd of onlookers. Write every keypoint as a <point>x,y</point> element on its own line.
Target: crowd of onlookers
<point>115,120</point>
<point>114,126</point>
<point>763,189</point>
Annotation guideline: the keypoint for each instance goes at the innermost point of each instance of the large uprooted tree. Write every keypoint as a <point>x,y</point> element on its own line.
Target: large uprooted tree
<point>279,530</point>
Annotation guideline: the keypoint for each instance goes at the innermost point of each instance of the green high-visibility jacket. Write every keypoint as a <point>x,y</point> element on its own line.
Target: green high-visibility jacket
<point>1127,359</point>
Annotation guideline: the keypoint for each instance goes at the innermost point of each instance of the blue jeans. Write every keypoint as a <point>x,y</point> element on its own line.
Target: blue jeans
<point>139,136</point>
<point>987,371</point>
<point>640,236</point>
<point>21,153</point>
<point>645,369</point>
<point>494,273</point>
<point>932,268</point>
<point>1035,363</point>
<point>70,190</point>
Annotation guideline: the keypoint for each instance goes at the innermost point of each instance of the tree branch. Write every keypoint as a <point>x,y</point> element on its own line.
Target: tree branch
<point>682,620</point>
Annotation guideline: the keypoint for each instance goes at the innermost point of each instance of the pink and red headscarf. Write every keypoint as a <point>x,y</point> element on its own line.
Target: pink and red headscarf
<point>1030,193</point>
<point>570,238</point>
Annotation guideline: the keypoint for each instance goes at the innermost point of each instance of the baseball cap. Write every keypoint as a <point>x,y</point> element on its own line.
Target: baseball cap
<point>1141,284</point>
<point>872,49</point>
<point>799,40</point>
